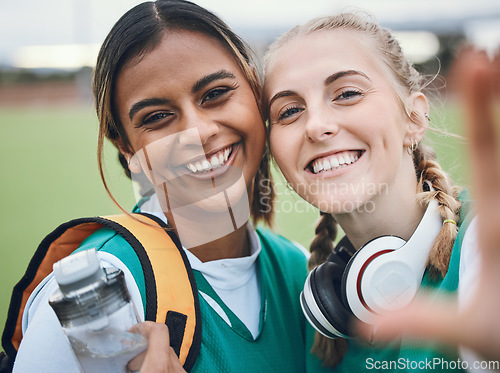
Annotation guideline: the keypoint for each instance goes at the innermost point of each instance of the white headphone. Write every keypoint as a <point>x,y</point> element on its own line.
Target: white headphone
<point>383,275</point>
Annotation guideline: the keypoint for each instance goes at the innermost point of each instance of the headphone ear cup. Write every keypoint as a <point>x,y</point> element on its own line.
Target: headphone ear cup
<point>353,273</point>
<point>324,287</point>
<point>344,281</point>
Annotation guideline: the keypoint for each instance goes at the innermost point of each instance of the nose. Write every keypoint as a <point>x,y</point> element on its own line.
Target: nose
<point>320,125</point>
<point>198,128</point>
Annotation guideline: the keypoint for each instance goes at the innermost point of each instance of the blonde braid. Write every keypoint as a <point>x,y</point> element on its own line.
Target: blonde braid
<point>330,351</point>
<point>446,194</point>
<point>322,244</point>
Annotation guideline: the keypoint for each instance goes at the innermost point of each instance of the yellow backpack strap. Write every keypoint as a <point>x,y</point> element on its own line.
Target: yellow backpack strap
<point>173,298</point>
<point>171,293</point>
<point>55,246</point>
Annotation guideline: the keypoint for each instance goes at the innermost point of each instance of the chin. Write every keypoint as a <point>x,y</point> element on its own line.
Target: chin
<point>335,204</point>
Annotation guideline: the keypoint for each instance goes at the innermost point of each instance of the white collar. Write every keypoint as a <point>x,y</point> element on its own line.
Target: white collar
<point>217,272</point>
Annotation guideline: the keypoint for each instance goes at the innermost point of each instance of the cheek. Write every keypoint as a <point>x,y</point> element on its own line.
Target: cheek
<point>282,150</point>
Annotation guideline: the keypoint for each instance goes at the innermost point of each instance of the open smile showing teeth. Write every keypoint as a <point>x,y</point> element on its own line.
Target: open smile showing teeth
<point>334,161</point>
<point>213,162</point>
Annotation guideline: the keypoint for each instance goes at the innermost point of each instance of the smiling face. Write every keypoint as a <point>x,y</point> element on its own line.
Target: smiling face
<point>189,113</point>
<point>338,129</point>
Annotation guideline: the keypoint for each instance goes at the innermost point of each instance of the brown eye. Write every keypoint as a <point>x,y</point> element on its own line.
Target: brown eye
<point>156,117</point>
<point>216,93</point>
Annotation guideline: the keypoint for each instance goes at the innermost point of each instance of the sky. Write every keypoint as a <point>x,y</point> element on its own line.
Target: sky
<point>61,22</point>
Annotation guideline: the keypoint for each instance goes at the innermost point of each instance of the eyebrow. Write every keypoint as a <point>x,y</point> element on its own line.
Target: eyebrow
<point>341,74</point>
<point>203,82</point>
<point>281,94</point>
<point>328,81</point>
<point>145,103</point>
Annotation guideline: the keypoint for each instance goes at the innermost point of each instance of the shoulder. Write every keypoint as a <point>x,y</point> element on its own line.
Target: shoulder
<point>467,240</point>
<point>108,241</point>
<point>119,253</point>
<point>470,261</point>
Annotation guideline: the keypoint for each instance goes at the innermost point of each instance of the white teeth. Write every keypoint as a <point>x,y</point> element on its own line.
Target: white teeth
<point>216,161</point>
<point>334,162</point>
<point>206,164</point>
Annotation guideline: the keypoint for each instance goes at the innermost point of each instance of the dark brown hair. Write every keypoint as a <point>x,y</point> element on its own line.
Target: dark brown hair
<point>139,31</point>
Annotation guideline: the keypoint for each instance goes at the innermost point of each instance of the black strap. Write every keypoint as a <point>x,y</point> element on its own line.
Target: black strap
<point>176,323</point>
<point>5,363</point>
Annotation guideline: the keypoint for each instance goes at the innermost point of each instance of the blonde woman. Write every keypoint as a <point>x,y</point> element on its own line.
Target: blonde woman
<point>347,117</point>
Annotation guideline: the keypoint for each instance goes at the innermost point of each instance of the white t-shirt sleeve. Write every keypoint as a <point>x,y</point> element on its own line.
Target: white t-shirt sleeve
<point>44,347</point>
<point>470,267</point>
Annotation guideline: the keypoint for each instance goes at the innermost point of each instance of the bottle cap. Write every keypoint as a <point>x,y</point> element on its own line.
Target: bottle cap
<point>78,270</point>
<point>87,292</point>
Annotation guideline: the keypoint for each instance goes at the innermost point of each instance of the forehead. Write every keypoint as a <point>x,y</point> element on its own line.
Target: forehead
<point>179,52</point>
<point>324,52</point>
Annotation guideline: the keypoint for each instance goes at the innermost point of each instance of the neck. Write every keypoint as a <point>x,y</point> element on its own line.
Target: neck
<point>361,228</point>
<point>233,245</point>
<point>210,246</point>
<point>397,213</point>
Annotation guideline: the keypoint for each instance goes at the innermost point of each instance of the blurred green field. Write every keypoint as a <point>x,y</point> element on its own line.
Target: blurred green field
<point>49,175</point>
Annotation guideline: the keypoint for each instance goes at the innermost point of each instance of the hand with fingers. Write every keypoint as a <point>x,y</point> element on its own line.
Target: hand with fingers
<point>159,357</point>
<point>475,326</point>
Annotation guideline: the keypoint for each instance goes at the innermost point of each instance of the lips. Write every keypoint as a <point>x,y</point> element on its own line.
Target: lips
<point>334,161</point>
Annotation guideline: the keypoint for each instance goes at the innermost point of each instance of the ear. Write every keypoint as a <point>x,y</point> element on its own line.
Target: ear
<point>133,161</point>
<point>418,118</point>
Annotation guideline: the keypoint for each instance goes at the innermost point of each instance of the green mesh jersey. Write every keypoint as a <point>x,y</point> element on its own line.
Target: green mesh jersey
<point>281,343</point>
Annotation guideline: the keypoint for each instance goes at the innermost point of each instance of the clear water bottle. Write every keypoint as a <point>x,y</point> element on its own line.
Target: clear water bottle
<point>96,312</point>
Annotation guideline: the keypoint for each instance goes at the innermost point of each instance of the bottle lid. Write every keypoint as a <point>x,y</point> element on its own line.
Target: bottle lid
<point>78,270</point>
<point>87,292</point>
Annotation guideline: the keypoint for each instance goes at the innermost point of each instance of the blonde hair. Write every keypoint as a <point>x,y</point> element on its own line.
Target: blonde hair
<point>433,182</point>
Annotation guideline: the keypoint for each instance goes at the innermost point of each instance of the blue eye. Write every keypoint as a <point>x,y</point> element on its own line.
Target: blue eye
<point>289,112</point>
<point>346,95</point>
